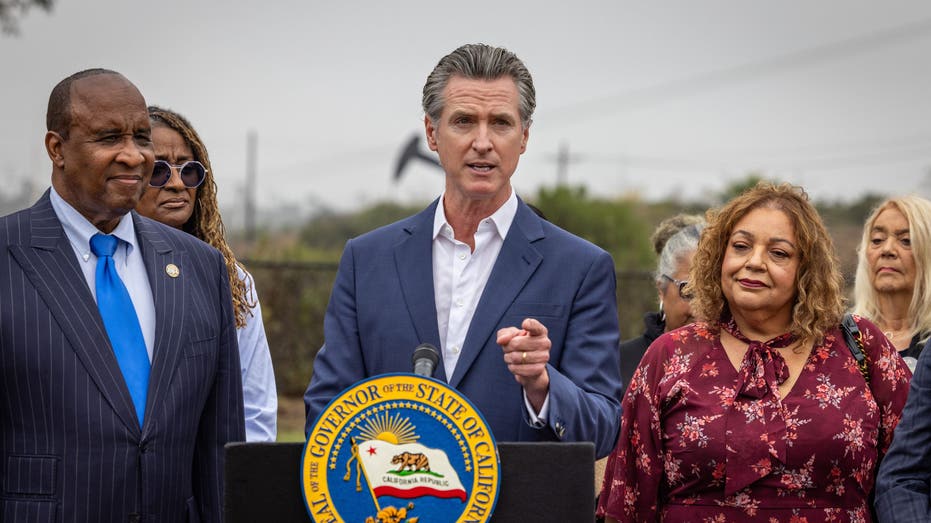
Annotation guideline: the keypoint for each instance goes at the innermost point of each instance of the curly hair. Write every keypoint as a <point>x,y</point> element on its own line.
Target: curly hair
<point>917,212</point>
<point>819,300</point>
<point>205,222</point>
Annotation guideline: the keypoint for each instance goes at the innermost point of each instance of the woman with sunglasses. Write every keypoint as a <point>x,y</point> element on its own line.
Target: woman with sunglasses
<point>182,193</point>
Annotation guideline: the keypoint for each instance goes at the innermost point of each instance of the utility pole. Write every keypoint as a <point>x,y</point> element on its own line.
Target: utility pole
<point>562,165</point>
<point>252,140</point>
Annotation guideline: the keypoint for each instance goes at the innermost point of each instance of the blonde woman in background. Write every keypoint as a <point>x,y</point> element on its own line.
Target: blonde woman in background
<point>893,283</point>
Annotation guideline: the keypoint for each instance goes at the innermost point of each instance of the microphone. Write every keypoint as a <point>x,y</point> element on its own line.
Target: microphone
<point>425,359</point>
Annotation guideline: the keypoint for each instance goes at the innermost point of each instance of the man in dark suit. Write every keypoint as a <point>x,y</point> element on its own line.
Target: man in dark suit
<point>903,486</point>
<point>110,410</point>
<point>524,313</point>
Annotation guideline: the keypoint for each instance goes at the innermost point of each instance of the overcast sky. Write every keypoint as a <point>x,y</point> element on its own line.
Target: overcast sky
<point>651,98</point>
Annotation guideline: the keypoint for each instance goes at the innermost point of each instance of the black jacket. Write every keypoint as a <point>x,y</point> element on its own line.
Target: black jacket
<point>632,350</point>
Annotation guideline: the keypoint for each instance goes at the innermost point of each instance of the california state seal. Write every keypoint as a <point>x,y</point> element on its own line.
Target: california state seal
<point>400,448</point>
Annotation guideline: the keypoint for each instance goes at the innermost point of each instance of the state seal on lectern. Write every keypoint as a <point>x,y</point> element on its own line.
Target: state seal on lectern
<point>400,448</point>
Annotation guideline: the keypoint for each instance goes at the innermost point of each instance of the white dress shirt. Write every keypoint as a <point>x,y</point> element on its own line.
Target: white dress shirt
<point>459,278</point>
<point>127,259</point>
<point>260,399</point>
<point>259,394</point>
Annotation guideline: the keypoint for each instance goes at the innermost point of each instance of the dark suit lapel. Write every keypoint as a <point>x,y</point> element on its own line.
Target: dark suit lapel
<point>413,258</point>
<point>168,294</point>
<point>50,264</point>
<point>516,262</point>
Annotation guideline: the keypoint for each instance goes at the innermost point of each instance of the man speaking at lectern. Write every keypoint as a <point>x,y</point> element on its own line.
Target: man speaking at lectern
<point>524,313</point>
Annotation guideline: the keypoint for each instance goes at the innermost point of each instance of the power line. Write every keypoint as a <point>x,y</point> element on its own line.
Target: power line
<point>708,80</point>
<point>892,153</point>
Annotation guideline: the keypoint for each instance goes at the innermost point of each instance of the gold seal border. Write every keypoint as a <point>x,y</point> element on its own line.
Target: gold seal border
<point>400,391</point>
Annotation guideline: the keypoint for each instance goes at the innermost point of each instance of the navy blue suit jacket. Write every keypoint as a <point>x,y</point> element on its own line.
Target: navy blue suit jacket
<point>71,448</point>
<point>382,307</point>
<point>903,488</point>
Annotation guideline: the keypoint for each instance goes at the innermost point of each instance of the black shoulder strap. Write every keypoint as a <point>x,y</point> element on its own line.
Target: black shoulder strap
<point>852,336</point>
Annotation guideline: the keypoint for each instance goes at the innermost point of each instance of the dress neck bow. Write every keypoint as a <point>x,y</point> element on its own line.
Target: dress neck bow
<point>763,369</point>
<point>755,433</point>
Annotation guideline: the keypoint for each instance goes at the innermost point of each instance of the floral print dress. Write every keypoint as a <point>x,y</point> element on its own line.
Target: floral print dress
<point>703,442</point>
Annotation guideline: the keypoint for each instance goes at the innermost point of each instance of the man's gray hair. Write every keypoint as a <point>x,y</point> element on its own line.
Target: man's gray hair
<point>479,62</point>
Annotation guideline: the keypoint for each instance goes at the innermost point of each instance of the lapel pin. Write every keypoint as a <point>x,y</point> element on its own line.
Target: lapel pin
<point>172,270</point>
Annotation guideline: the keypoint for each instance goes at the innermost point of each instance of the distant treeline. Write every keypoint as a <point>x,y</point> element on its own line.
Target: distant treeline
<point>294,270</point>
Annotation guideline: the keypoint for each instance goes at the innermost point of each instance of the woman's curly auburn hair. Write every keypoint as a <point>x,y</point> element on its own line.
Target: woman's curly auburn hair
<point>819,300</point>
<point>205,222</point>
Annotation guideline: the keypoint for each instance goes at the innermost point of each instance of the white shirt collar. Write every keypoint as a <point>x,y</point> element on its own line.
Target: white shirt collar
<point>502,218</point>
<point>79,230</point>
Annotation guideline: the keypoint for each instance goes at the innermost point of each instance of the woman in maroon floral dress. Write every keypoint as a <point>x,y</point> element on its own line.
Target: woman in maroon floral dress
<point>761,415</point>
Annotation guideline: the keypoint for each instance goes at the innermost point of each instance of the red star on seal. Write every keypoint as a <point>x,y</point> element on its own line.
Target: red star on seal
<point>372,451</point>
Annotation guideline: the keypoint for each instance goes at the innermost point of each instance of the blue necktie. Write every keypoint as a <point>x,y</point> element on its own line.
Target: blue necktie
<point>119,318</point>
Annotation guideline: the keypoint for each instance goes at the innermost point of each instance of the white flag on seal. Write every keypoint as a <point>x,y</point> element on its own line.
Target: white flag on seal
<point>409,471</point>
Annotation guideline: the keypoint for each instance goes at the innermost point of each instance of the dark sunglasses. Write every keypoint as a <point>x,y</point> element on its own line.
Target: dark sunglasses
<point>680,285</point>
<point>192,173</point>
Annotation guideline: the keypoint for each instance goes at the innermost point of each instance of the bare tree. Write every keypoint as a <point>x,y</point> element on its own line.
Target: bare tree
<point>12,10</point>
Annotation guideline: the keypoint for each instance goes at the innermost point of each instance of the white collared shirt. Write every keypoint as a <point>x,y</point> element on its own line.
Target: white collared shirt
<point>127,259</point>
<point>460,274</point>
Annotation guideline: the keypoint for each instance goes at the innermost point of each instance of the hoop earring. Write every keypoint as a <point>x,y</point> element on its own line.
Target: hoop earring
<point>662,313</point>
